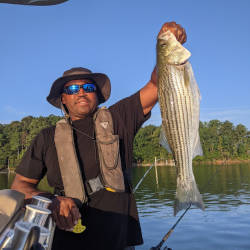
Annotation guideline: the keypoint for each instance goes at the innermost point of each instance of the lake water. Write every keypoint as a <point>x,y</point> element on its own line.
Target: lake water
<point>224,225</point>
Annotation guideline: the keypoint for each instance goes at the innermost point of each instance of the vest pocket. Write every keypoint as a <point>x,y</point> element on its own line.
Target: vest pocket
<point>108,150</point>
<point>110,162</point>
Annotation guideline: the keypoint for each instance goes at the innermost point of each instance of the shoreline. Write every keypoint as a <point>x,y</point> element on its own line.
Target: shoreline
<point>221,162</point>
<point>171,163</point>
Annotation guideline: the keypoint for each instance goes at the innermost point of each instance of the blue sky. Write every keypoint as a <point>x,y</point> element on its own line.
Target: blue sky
<point>118,38</point>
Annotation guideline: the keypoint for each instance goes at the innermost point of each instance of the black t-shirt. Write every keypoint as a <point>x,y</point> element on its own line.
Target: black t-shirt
<point>111,218</point>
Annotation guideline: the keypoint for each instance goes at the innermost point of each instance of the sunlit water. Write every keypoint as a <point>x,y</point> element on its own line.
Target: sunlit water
<point>224,225</point>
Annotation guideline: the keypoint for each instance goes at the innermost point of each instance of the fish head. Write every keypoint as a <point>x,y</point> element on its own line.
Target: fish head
<point>170,51</point>
<point>163,49</point>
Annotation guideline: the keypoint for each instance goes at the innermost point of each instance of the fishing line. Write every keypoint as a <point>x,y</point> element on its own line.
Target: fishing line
<point>140,181</point>
<point>166,236</point>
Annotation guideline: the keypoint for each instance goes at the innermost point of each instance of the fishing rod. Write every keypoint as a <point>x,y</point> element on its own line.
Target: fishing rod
<point>158,247</point>
<point>140,181</point>
<point>166,236</point>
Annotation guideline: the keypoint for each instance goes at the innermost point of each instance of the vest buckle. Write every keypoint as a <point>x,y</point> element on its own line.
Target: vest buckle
<point>94,185</point>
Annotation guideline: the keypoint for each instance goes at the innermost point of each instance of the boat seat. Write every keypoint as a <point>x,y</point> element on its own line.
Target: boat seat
<point>10,202</point>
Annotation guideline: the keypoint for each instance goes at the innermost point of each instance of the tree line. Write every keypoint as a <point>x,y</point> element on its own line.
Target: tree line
<point>16,137</point>
<point>220,140</point>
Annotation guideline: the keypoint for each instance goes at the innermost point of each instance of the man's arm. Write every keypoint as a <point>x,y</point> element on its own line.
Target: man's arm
<point>149,93</point>
<point>25,185</point>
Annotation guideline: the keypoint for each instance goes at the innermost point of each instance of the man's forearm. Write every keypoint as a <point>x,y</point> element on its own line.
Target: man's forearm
<point>148,96</point>
<point>28,187</point>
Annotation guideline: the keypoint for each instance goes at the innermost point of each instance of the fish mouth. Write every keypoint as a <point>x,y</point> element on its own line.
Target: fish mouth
<point>166,35</point>
<point>170,50</point>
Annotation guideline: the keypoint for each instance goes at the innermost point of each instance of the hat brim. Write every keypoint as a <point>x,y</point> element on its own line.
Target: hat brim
<point>101,80</point>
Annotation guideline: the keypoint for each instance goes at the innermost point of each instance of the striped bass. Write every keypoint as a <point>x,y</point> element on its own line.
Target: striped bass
<point>179,99</point>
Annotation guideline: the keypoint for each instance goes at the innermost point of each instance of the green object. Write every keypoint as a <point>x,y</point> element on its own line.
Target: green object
<point>79,228</point>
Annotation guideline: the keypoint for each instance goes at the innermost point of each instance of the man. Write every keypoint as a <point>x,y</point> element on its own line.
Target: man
<point>107,206</point>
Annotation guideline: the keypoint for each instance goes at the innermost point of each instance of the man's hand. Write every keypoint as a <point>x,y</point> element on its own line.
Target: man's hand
<point>65,212</point>
<point>176,29</point>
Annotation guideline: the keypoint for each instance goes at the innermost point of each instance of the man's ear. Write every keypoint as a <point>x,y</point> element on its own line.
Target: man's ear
<point>62,99</point>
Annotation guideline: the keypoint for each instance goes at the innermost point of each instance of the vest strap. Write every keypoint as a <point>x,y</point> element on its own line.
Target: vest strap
<point>92,186</point>
<point>68,161</point>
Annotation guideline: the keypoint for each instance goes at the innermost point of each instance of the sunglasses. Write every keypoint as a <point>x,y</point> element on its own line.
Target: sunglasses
<point>74,89</point>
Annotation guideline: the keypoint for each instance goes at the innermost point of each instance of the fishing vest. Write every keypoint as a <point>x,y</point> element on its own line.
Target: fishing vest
<point>111,175</point>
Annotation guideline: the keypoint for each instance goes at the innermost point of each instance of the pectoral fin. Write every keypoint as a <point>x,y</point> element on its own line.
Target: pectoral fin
<point>197,147</point>
<point>163,141</point>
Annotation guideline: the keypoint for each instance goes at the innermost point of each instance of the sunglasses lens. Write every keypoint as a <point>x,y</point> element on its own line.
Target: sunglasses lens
<point>89,87</point>
<point>74,89</point>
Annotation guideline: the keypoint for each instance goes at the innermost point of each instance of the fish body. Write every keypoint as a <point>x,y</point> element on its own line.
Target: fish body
<point>179,100</point>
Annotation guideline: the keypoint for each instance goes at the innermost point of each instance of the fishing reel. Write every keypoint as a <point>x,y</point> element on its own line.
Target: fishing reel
<point>34,230</point>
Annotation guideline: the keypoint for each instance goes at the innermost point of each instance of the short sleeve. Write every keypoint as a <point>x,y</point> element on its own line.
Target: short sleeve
<point>32,164</point>
<point>129,111</point>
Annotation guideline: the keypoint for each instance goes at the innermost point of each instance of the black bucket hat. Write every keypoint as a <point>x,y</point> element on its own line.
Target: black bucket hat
<point>101,80</point>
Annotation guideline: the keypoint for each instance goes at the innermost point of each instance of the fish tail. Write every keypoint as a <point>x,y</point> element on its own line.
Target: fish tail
<point>186,195</point>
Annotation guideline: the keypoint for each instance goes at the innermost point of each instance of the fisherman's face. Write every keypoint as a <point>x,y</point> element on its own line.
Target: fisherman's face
<point>80,104</point>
